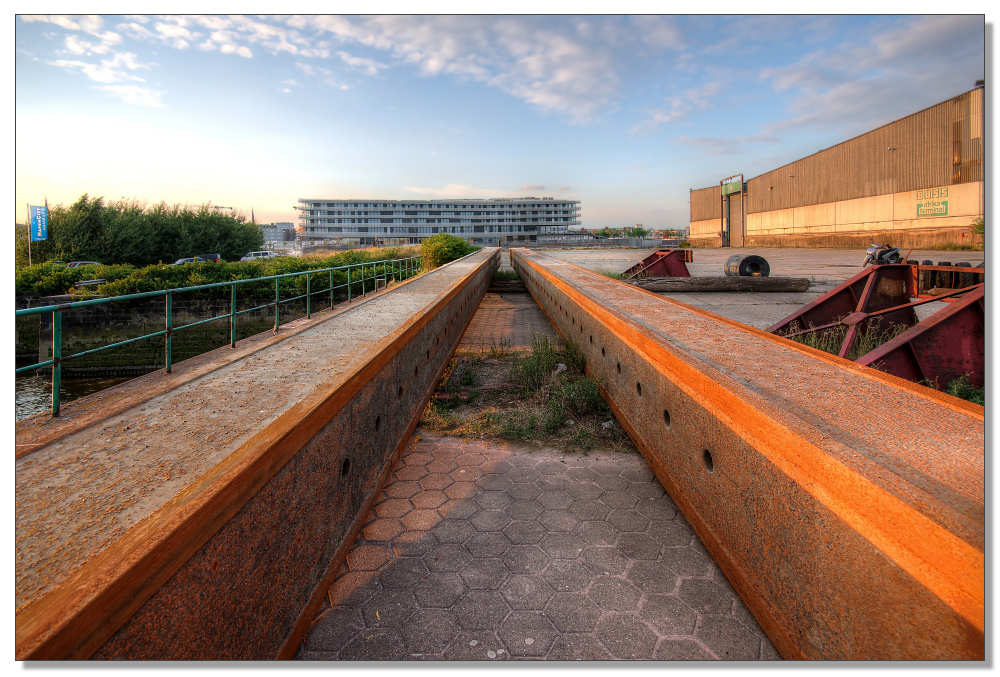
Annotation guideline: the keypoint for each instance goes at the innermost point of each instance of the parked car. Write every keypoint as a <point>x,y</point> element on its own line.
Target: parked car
<point>77,264</point>
<point>260,256</point>
<point>181,262</point>
<point>214,258</point>
<point>58,263</point>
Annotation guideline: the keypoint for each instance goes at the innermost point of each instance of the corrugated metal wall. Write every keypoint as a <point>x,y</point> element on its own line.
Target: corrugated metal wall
<point>938,146</point>
<point>706,203</point>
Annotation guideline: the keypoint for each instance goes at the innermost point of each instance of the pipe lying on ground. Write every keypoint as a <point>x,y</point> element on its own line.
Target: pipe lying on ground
<point>846,506</point>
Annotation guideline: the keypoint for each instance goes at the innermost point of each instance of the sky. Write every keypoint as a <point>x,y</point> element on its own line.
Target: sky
<point>624,113</point>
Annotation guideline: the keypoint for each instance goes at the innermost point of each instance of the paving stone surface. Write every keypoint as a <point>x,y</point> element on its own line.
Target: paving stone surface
<point>527,554</point>
<point>507,320</point>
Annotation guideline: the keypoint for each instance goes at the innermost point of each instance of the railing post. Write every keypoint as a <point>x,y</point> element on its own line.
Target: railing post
<point>362,279</point>
<point>308,299</point>
<point>232,316</point>
<point>56,359</point>
<point>348,284</point>
<point>277,284</point>
<point>167,337</point>
<point>331,289</point>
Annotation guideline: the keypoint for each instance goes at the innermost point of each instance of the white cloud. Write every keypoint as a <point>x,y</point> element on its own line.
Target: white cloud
<point>459,191</point>
<point>680,106</point>
<point>109,70</point>
<point>362,64</point>
<point>533,187</point>
<point>134,94</point>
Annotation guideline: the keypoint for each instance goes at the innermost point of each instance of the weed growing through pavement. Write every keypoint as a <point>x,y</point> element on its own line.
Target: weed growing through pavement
<point>961,388</point>
<point>830,340</point>
<point>506,275</point>
<point>542,396</point>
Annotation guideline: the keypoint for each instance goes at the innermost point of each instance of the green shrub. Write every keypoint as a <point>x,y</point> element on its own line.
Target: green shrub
<point>961,387</point>
<point>531,373</point>
<point>439,249</point>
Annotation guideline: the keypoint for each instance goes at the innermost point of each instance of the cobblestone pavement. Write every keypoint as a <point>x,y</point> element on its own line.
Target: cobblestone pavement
<point>505,320</point>
<point>489,551</point>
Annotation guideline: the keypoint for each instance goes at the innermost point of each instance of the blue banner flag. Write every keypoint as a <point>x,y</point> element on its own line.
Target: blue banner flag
<point>39,223</point>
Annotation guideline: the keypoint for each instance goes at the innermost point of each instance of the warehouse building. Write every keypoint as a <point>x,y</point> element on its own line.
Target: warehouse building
<point>916,182</point>
<point>396,222</point>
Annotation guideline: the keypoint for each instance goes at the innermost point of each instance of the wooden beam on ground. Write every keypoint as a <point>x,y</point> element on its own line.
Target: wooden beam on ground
<point>679,285</point>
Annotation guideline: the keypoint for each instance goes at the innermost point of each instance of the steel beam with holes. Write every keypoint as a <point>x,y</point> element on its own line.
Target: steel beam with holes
<point>203,514</point>
<point>845,505</point>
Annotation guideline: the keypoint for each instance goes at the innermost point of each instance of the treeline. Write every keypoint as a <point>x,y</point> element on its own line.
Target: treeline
<point>128,232</point>
<point>51,279</point>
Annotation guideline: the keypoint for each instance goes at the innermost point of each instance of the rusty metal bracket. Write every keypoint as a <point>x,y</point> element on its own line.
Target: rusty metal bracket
<point>848,536</point>
<point>662,263</point>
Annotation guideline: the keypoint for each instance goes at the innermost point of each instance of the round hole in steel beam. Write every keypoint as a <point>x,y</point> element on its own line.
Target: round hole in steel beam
<point>666,418</point>
<point>591,339</point>
<point>399,395</point>
<point>603,354</point>
<point>706,456</point>
<point>428,353</point>
<point>378,423</point>
<point>619,367</point>
<point>416,370</point>
<point>638,389</point>
<point>345,468</point>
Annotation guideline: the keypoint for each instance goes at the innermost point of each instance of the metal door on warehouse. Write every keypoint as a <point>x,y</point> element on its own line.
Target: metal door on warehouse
<point>734,228</point>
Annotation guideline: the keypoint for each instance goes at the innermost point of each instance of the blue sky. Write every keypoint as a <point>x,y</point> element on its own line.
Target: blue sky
<point>625,114</point>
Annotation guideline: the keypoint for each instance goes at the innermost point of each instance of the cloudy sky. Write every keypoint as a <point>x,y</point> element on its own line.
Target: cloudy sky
<point>625,114</point>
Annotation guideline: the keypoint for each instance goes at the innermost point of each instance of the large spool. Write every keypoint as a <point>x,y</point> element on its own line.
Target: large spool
<point>747,266</point>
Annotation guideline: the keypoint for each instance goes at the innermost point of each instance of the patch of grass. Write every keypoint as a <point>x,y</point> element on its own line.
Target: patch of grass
<point>831,340</point>
<point>575,359</point>
<point>961,388</point>
<point>531,372</point>
<point>506,275</point>
<point>609,273</point>
<point>499,350</point>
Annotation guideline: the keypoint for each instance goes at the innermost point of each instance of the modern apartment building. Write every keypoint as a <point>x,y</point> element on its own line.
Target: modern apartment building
<point>392,222</point>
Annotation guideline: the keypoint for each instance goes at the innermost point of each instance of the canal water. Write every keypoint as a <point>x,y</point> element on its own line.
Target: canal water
<point>33,394</point>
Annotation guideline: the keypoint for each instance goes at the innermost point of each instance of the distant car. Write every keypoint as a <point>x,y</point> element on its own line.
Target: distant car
<point>77,264</point>
<point>58,263</point>
<point>260,256</point>
<point>181,262</point>
<point>214,258</point>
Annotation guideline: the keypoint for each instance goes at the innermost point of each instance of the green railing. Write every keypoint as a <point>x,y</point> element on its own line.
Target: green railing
<point>373,271</point>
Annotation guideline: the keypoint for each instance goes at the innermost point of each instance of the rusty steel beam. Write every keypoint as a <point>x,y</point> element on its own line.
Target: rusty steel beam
<point>208,520</point>
<point>845,505</point>
<point>669,263</point>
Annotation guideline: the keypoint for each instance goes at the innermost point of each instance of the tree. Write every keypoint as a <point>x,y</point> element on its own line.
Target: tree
<point>439,249</point>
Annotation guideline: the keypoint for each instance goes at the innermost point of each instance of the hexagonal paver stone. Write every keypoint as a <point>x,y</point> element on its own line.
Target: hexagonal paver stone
<point>468,473</point>
<point>458,508</point>
<point>555,500</point>
<point>615,594</point>
<point>627,520</point>
<point>470,459</point>
<point>454,531</point>
<point>384,529</point>
<point>353,589</point>
<point>523,492</point>
<point>413,543</point>
<point>436,481</point>
<point>523,533</point>
<point>603,559</point>
<point>403,572</point>
<point>490,520</point>
<point>334,629</point>
<point>430,631</point>
<point>563,546</point>
<point>462,490</point>
<point>657,509</point>
<point>637,546</point>
<point>369,556</point>
<point>527,633</point>
<point>626,637</point>
<point>566,575</point>
<point>525,559</point>
<point>496,466</point>
<point>597,533</point>
<point>411,473</point>
<point>524,475</point>
<point>420,458</point>
<point>429,500</point>
<point>551,467</point>
<point>573,612</point>
<point>619,500</point>
<point>526,592</point>
<point>442,465</point>
<point>548,483</point>
<point>706,597</point>
<point>481,610</point>
<point>476,645</point>
<point>383,644</point>
<point>681,650</point>
<point>450,451</point>
<point>668,614</point>
<point>558,520</point>
<point>611,483</point>
<point>638,473</point>
<point>728,639</point>
<point>422,519</point>
<point>646,491</point>
<point>492,500</point>
<point>686,562</point>
<point>580,474</point>
<point>402,489</point>
<point>447,557</point>
<point>487,573</point>
<point>490,544</point>
<point>389,608</point>
<point>577,647</point>
<point>584,491</point>
<point>523,460</point>
<point>670,533</point>
<point>492,482</point>
<point>589,510</point>
<point>652,577</point>
<point>524,510</point>
<point>439,591</point>
<point>393,507</point>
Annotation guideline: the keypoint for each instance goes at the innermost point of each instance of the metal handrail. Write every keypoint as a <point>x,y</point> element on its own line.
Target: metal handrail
<point>402,268</point>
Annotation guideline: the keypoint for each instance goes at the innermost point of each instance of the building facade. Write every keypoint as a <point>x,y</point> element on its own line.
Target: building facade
<point>276,234</point>
<point>395,222</point>
<point>915,182</point>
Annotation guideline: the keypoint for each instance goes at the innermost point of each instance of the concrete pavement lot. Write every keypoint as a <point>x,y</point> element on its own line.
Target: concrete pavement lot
<point>825,268</point>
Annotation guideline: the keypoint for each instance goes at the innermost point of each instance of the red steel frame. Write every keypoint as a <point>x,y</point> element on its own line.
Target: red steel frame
<point>669,263</point>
